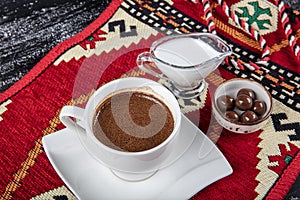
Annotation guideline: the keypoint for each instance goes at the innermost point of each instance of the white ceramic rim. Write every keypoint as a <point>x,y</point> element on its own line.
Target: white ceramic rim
<point>143,82</point>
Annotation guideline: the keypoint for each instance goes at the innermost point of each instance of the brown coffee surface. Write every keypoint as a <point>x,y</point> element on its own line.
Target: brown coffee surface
<point>132,121</point>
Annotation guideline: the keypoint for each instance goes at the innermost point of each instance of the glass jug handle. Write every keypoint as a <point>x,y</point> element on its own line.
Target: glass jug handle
<point>146,64</point>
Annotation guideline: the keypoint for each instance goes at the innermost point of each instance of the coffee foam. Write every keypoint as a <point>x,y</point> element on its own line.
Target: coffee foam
<point>143,89</point>
<point>148,91</point>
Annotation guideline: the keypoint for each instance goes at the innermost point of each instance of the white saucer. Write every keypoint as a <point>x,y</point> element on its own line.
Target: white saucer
<point>200,165</point>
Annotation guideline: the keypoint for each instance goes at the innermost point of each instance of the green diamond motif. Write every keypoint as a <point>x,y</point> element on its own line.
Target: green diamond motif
<point>260,15</point>
<point>258,11</point>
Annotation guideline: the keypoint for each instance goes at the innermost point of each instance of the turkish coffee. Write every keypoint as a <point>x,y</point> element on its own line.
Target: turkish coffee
<point>132,121</point>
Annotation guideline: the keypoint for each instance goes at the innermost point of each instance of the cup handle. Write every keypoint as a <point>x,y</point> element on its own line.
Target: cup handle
<point>75,112</point>
<point>145,63</point>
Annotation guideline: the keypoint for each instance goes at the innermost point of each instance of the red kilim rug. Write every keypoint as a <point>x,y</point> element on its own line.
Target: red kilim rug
<point>265,163</point>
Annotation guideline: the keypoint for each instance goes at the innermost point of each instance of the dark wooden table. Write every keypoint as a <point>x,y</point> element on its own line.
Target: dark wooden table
<point>30,28</point>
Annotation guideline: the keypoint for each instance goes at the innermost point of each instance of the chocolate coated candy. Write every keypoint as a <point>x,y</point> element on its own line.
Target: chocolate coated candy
<point>225,102</point>
<point>232,116</point>
<point>247,91</point>
<point>249,117</point>
<point>259,107</point>
<point>243,102</point>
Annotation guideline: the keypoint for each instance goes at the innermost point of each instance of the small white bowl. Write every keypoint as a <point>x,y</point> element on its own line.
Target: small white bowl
<point>231,88</point>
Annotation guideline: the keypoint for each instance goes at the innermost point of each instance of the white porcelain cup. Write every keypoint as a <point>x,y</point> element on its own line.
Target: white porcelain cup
<point>135,165</point>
